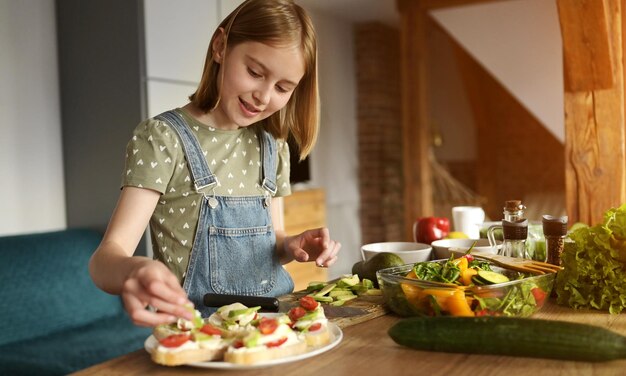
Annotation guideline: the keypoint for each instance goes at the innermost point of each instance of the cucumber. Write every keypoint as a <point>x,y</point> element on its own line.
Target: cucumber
<point>325,290</point>
<point>511,336</point>
<point>491,278</point>
<point>323,299</point>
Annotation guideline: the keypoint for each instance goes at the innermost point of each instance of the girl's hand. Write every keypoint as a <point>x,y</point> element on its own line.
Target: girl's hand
<point>313,244</point>
<point>152,284</point>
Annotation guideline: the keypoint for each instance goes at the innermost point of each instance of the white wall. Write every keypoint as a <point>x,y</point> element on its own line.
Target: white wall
<point>519,43</point>
<point>31,166</point>
<point>334,164</point>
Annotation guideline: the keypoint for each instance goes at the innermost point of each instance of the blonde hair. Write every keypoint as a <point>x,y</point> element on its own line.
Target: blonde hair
<point>273,22</point>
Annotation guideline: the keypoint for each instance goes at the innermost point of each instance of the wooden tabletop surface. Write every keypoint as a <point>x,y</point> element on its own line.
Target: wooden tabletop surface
<point>366,349</point>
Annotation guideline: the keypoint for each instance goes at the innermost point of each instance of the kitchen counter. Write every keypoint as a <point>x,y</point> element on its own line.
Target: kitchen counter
<point>366,349</point>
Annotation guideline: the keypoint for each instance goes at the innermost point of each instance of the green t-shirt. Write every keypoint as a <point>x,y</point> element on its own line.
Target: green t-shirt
<point>155,160</point>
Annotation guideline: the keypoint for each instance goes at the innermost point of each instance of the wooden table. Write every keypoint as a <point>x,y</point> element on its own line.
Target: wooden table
<point>366,349</point>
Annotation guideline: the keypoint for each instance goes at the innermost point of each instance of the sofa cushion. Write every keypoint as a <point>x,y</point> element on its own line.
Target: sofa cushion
<point>46,285</point>
<point>67,351</point>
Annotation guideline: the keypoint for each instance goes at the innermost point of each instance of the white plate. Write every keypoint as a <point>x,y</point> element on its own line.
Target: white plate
<point>336,336</point>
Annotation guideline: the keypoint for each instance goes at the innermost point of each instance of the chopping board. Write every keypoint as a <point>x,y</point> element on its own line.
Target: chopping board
<point>372,306</point>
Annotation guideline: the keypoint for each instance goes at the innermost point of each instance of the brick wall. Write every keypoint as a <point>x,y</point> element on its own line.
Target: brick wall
<point>379,132</point>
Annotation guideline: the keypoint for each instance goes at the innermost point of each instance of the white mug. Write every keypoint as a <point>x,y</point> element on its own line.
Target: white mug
<point>468,219</point>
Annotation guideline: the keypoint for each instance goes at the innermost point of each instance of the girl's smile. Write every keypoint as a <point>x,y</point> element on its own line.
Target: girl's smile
<point>249,109</point>
<point>256,80</point>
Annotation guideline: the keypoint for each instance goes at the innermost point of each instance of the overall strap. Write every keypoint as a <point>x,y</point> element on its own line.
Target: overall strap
<point>269,158</point>
<point>200,172</point>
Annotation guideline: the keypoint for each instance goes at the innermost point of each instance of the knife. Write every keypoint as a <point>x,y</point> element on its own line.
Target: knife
<point>269,304</point>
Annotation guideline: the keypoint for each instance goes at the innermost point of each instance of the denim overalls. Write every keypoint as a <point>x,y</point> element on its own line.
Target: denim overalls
<point>234,247</point>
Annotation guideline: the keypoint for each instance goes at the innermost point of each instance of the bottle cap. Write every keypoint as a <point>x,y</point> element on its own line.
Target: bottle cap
<point>513,205</point>
<point>515,230</point>
<point>554,226</point>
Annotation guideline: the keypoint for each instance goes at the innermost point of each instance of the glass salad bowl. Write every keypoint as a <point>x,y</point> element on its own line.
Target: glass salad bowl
<point>487,290</point>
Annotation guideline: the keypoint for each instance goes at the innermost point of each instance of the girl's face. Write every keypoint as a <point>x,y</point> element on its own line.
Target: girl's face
<point>258,80</point>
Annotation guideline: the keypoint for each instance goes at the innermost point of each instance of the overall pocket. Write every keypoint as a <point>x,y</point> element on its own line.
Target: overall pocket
<point>242,260</point>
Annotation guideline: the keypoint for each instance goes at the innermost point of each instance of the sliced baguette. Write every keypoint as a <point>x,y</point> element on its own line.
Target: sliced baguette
<point>185,356</point>
<point>318,338</point>
<point>257,355</point>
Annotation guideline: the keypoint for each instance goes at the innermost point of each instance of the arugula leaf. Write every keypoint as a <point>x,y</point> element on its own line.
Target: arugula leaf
<point>432,271</point>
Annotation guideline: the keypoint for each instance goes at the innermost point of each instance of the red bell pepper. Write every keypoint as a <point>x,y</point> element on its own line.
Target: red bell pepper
<point>539,295</point>
<point>429,229</point>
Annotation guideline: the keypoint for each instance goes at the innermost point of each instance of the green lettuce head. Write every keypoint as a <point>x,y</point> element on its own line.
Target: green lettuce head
<point>594,261</point>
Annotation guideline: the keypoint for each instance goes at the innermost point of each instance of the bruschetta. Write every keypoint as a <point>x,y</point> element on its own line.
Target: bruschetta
<point>188,341</point>
<point>197,345</point>
<point>181,326</point>
<point>234,319</point>
<point>310,322</point>
<point>267,339</point>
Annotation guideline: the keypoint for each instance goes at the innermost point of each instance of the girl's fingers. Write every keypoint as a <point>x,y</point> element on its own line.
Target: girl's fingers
<point>148,318</point>
<point>328,254</point>
<point>167,301</point>
<point>140,315</point>
<point>324,236</point>
<point>330,261</point>
<point>173,310</point>
<point>168,292</point>
<point>300,255</point>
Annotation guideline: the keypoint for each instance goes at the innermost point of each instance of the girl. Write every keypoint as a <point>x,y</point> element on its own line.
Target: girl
<point>208,177</point>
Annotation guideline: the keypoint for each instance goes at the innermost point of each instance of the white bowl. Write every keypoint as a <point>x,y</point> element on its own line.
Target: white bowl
<point>443,247</point>
<point>409,252</point>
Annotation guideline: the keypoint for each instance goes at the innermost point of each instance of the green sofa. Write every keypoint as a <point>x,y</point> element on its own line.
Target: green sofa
<point>53,320</point>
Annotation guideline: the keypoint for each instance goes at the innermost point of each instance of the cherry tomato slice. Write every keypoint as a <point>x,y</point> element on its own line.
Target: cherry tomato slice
<point>267,326</point>
<point>174,340</point>
<point>210,330</point>
<point>316,326</point>
<point>276,343</point>
<point>308,303</point>
<point>296,312</point>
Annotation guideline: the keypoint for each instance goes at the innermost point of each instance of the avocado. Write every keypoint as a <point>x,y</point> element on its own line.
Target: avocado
<point>383,260</point>
<point>357,268</point>
<point>244,311</point>
<point>349,280</point>
<point>252,339</point>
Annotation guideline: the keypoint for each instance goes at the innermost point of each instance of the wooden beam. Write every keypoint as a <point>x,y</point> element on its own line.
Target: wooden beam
<point>418,197</point>
<point>586,49</point>
<point>595,156</point>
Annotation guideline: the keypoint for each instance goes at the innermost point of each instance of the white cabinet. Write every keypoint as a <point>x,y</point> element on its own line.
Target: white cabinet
<point>163,96</point>
<point>177,36</point>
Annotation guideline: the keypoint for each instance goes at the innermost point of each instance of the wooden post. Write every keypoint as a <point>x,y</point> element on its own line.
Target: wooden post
<point>418,197</point>
<point>595,156</point>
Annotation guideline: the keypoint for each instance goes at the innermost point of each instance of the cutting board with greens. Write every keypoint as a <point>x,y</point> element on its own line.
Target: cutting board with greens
<point>350,293</point>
